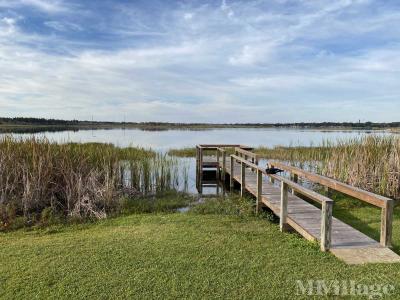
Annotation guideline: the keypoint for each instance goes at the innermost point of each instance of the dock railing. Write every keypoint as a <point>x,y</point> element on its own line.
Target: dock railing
<point>249,160</point>
<point>327,204</point>
<point>219,150</point>
<point>386,204</point>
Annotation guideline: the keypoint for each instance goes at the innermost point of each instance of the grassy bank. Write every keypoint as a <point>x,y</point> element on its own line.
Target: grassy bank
<point>40,180</point>
<point>209,253</point>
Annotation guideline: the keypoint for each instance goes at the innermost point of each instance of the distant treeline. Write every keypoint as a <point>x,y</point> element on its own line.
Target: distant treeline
<point>149,125</point>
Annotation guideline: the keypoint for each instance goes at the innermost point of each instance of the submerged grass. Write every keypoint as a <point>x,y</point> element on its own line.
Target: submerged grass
<point>40,178</point>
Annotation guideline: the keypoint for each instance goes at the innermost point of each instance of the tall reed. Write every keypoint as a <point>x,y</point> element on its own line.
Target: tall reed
<point>77,180</point>
<point>371,162</point>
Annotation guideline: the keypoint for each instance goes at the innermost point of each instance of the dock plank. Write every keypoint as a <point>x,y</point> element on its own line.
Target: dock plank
<point>348,244</point>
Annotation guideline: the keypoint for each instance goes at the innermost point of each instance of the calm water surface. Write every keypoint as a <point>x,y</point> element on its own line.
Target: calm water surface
<point>166,139</point>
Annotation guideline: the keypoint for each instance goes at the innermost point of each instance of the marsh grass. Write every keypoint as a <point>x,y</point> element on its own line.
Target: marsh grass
<point>370,162</point>
<point>165,202</point>
<point>39,178</point>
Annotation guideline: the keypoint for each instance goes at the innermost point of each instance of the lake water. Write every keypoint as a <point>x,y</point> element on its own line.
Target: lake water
<point>166,139</point>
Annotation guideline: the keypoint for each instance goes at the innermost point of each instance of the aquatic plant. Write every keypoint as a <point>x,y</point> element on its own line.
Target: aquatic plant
<point>76,180</point>
<point>371,162</point>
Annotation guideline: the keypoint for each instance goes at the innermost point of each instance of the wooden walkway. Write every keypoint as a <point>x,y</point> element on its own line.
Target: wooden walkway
<point>335,236</point>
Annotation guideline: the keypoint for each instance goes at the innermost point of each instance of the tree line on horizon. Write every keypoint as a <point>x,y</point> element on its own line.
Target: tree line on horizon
<point>58,122</point>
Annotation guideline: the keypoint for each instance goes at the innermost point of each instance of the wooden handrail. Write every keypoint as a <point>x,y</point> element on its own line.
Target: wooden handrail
<point>246,153</point>
<point>386,204</point>
<point>293,185</point>
<point>344,188</point>
<point>327,204</point>
<point>248,163</point>
<point>215,146</point>
<point>302,190</point>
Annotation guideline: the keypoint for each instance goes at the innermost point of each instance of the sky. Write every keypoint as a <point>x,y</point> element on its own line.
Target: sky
<point>201,61</point>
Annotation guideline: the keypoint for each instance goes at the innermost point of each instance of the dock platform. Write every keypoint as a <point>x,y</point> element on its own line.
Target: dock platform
<point>285,198</point>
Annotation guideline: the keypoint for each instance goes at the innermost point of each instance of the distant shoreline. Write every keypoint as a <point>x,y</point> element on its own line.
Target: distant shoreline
<point>39,125</point>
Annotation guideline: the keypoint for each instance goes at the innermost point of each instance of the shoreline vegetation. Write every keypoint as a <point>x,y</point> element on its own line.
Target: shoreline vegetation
<point>32,125</point>
<point>41,180</point>
<point>371,162</point>
<point>57,243</point>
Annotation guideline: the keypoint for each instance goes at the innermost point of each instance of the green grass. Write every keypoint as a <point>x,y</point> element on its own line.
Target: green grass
<point>210,253</point>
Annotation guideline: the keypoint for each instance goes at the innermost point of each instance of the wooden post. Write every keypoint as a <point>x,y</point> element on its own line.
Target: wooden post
<point>328,191</point>
<point>326,225</point>
<point>270,178</point>
<point>231,176</point>
<point>197,167</point>
<point>284,204</point>
<point>259,191</point>
<point>242,179</point>
<point>217,171</point>
<point>223,165</point>
<point>386,224</point>
<point>200,170</point>
<point>295,179</point>
<point>197,163</point>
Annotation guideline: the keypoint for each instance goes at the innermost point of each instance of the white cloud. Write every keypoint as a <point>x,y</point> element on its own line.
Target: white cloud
<point>227,9</point>
<point>50,6</point>
<point>188,16</point>
<point>193,62</point>
<point>7,26</point>
<point>252,54</point>
<point>63,26</point>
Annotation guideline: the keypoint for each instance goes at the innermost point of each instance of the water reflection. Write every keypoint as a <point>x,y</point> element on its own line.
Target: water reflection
<point>164,140</point>
<point>167,139</point>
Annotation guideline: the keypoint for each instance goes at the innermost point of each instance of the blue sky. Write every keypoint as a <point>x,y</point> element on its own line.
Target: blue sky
<point>201,61</point>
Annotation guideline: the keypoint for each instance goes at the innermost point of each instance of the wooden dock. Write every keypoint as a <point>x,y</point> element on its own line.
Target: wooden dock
<point>285,197</point>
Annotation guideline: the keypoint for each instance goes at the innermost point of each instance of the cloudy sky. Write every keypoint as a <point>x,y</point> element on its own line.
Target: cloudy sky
<point>201,61</point>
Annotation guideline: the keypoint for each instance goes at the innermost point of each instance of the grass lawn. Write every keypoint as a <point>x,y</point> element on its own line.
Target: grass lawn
<point>169,256</point>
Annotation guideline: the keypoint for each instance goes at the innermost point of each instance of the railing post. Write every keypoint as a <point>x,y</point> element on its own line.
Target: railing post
<point>223,165</point>
<point>217,171</point>
<point>295,179</point>
<point>386,224</point>
<point>326,225</point>
<point>328,191</point>
<point>200,189</point>
<point>242,179</point>
<point>197,167</point>
<point>270,178</point>
<point>284,205</point>
<point>231,176</point>
<point>259,191</point>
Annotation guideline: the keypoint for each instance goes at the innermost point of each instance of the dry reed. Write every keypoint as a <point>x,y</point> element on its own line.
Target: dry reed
<point>76,180</point>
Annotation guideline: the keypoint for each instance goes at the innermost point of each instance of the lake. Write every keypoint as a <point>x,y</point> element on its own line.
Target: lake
<point>164,140</point>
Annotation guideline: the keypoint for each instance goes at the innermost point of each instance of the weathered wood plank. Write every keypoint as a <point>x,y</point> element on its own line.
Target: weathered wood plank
<point>308,220</point>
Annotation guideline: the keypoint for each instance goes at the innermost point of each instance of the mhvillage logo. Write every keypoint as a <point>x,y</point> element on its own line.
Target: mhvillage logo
<point>342,288</point>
